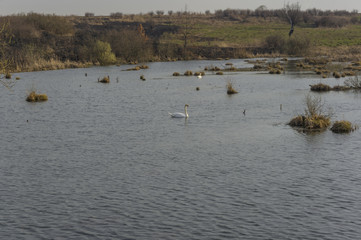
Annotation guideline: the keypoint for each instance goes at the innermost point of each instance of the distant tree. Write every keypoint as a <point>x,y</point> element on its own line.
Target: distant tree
<point>117,15</point>
<point>160,13</point>
<point>170,12</point>
<point>89,14</point>
<point>186,26</point>
<point>5,59</point>
<point>292,13</point>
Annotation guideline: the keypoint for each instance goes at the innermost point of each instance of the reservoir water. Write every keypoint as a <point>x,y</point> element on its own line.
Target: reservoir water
<point>106,161</point>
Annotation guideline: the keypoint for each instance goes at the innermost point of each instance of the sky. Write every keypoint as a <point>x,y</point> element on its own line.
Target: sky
<point>105,7</point>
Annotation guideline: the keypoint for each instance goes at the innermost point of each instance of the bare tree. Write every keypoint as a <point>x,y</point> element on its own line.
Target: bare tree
<point>292,13</point>
<point>5,59</point>
<point>186,23</point>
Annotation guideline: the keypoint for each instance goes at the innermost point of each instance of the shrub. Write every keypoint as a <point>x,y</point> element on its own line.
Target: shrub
<point>102,52</point>
<point>342,127</point>
<point>275,43</point>
<point>298,46</point>
<point>331,21</point>
<point>353,82</point>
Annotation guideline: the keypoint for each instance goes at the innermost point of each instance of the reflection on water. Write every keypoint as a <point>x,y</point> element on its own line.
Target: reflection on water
<point>105,161</point>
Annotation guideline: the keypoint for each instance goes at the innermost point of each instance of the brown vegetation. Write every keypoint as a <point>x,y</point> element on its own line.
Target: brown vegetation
<point>342,127</point>
<point>34,97</point>
<point>230,89</point>
<point>105,79</point>
<point>42,42</point>
<point>314,117</point>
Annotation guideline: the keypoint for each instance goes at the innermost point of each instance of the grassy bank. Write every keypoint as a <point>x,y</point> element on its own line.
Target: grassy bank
<point>44,42</point>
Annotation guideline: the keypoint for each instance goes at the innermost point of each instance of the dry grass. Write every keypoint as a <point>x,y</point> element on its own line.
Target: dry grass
<point>315,122</point>
<point>34,97</point>
<point>314,117</point>
<point>230,89</point>
<point>105,79</point>
<point>320,87</point>
<point>343,127</point>
<point>188,73</point>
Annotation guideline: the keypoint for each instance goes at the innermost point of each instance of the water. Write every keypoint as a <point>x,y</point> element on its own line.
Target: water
<point>105,161</point>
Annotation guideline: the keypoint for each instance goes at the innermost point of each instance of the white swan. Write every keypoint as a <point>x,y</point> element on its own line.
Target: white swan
<point>180,115</point>
<point>199,76</point>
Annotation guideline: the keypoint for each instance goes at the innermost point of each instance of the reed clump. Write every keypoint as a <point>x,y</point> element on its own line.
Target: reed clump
<point>343,127</point>
<point>199,73</point>
<point>188,73</point>
<point>105,79</point>
<point>176,74</point>
<point>230,89</point>
<point>314,117</point>
<point>8,75</point>
<point>35,97</point>
<point>320,87</point>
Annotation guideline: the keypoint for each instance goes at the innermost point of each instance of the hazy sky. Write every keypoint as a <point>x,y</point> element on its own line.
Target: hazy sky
<point>105,7</point>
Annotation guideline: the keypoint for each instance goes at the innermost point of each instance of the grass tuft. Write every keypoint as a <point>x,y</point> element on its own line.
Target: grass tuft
<point>230,89</point>
<point>105,79</point>
<point>343,127</point>
<point>34,97</point>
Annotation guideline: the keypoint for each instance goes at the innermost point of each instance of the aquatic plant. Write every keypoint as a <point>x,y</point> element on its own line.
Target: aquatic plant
<point>343,127</point>
<point>142,77</point>
<point>230,89</point>
<point>105,79</point>
<point>314,117</point>
<point>320,87</point>
<point>176,74</point>
<point>8,75</point>
<point>188,73</point>
<point>34,97</point>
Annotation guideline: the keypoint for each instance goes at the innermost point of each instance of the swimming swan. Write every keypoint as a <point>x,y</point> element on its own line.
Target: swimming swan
<point>180,115</point>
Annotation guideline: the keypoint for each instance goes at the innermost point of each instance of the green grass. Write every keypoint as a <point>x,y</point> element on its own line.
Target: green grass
<point>254,34</point>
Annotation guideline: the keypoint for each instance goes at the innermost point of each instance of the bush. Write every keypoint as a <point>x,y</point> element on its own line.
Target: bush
<point>275,43</point>
<point>102,52</point>
<point>331,21</point>
<point>353,82</point>
<point>298,46</point>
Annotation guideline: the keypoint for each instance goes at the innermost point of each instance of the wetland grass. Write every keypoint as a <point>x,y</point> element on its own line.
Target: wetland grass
<point>35,97</point>
<point>343,127</point>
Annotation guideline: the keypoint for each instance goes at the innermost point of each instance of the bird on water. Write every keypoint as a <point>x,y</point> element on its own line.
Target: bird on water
<point>179,114</point>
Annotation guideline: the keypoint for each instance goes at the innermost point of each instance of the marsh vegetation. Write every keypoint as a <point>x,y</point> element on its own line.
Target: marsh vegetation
<point>43,42</point>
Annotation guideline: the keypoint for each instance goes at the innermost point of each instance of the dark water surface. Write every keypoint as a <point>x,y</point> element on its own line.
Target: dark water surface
<point>105,161</point>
